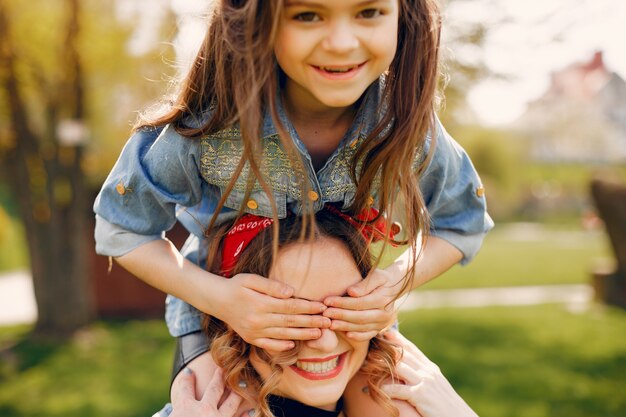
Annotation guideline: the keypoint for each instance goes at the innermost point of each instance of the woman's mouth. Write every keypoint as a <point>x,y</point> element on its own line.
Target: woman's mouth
<point>317,369</point>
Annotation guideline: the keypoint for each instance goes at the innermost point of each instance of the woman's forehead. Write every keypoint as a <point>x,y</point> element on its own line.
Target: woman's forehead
<point>316,269</point>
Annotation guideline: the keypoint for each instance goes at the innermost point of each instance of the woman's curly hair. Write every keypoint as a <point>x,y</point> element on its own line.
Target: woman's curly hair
<point>232,353</point>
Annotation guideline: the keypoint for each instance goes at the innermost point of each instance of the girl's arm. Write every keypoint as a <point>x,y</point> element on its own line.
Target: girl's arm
<point>437,257</point>
<point>369,308</point>
<point>158,171</point>
<point>455,200</point>
<point>259,309</point>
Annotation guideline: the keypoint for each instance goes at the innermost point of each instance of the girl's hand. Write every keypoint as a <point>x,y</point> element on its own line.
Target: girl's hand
<point>263,313</point>
<point>368,308</point>
<point>185,404</point>
<point>426,388</point>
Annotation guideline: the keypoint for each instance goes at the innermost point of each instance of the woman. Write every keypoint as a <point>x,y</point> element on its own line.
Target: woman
<point>310,380</point>
<point>425,389</point>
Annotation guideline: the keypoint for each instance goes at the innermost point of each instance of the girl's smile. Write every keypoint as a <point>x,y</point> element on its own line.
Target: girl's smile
<point>331,51</point>
<point>339,72</point>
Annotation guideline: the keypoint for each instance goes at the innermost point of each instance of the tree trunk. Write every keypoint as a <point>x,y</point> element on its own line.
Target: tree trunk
<point>48,183</point>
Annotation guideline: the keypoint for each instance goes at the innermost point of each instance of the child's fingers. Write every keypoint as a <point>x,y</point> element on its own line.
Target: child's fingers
<point>359,317</point>
<point>296,306</point>
<point>362,336</point>
<point>291,333</point>
<point>366,286</point>
<point>296,320</point>
<point>273,344</point>
<point>230,405</point>
<point>367,302</point>
<point>266,286</point>
<point>346,326</point>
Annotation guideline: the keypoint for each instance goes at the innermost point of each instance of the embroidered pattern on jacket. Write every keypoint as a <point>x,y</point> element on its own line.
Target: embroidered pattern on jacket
<point>221,153</point>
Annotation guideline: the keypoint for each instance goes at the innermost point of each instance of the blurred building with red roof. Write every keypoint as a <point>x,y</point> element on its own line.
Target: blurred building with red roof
<point>580,118</point>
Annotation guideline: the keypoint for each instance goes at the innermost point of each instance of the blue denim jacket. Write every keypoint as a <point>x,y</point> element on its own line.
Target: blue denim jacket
<point>162,177</point>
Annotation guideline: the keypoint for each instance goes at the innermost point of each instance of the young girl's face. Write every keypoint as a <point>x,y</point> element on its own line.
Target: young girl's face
<point>332,50</point>
<point>325,365</point>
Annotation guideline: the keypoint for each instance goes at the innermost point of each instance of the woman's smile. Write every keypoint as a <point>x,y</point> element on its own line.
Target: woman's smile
<point>322,368</point>
<point>325,365</point>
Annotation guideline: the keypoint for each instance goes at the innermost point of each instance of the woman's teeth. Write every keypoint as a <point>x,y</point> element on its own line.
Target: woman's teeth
<point>318,367</point>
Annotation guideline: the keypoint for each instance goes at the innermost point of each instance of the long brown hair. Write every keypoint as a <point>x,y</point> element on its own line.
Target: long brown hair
<point>232,353</point>
<point>233,81</point>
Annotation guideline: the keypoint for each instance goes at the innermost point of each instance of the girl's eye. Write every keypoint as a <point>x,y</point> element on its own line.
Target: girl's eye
<point>307,17</point>
<point>370,13</point>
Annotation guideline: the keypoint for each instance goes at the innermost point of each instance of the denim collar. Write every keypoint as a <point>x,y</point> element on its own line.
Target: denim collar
<point>365,121</point>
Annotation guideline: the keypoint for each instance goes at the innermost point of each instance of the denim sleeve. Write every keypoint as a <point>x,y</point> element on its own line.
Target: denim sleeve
<point>157,170</point>
<point>454,196</point>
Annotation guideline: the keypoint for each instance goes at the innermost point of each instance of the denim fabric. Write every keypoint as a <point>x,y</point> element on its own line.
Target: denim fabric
<point>162,177</point>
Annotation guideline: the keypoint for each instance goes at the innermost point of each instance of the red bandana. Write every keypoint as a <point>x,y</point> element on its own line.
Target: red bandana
<point>238,237</point>
<point>249,226</point>
<point>372,232</point>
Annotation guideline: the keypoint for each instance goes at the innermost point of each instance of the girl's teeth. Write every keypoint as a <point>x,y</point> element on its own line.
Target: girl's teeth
<point>338,69</point>
<point>318,367</point>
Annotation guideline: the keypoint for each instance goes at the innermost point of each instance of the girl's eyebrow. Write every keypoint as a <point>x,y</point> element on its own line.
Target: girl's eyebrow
<point>315,4</point>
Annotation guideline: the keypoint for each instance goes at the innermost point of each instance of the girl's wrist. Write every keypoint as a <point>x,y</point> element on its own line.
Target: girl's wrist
<point>398,271</point>
<point>203,292</point>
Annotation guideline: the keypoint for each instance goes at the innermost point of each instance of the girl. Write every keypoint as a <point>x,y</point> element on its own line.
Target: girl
<point>291,104</point>
<point>310,380</point>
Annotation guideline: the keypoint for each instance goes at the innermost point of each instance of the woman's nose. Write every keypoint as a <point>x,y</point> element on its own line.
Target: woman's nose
<point>327,342</point>
<point>341,38</point>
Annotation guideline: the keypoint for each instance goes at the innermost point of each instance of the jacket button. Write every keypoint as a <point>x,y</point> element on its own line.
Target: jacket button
<point>252,205</point>
<point>396,228</point>
<point>121,190</point>
<point>480,191</point>
<point>313,196</point>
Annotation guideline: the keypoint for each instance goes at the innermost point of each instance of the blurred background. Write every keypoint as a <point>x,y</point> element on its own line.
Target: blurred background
<point>536,93</point>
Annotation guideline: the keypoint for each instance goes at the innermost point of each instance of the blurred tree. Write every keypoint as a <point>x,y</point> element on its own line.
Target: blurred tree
<point>462,62</point>
<point>57,62</point>
<point>5,223</point>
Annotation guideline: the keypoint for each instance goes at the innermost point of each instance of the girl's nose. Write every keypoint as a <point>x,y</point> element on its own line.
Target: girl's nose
<point>340,38</point>
<point>327,342</point>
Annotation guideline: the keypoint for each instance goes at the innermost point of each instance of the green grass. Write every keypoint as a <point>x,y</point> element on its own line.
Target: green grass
<point>532,255</point>
<point>526,362</point>
<point>109,369</point>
